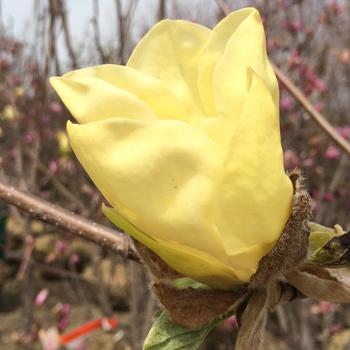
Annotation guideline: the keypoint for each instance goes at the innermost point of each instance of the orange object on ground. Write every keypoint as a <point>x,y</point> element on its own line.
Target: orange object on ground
<point>89,327</point>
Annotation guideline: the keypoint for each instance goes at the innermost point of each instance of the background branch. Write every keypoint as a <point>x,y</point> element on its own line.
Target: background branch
<point>59,217</point>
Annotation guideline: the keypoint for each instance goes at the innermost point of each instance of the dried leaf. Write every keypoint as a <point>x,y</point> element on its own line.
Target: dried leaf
<point>317,283</point>
<point>252,321</point>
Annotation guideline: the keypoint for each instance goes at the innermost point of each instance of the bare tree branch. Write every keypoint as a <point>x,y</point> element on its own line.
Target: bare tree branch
<point>67,38</point>
<point>317,116</point>
<point>120,30</point>
<point>161,9</point>
<point>59,217</point>
<point>96,28</point>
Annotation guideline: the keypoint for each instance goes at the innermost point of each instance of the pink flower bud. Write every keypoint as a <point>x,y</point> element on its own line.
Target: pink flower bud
<point>55,107</point>
<point>287,103</point>
<point>41,297</point>
<point>291,160</point>
<point>328,196</point>
<point>74,259</point>
<point>344,56</point>
<point>308,162</point>
<point>344,131</point>
<point>53,166</point>
<point>61,247</point>
<point>232,322</point>
<point>63,316</point>
<point>320,85</point>
<point>332,152</point>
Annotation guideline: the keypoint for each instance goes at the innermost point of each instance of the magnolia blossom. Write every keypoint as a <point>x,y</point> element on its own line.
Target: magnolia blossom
<point>184,144</point>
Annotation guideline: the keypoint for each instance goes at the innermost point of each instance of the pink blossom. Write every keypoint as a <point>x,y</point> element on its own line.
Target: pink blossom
<point>344,56</point>
<point>287,103</point>
<point>61,247</point>
<point>320,85</point>
<point>291,160</point>
<point>323,308</point>
<point>333,152</point>
<point>3,63</point>
<point>41,297</point>
<point>308,162</point>
<point>45,119</point>
<point>74,259</point>
<point>297,25</point>
<point>53,166</point>
<point>314,205</point>
<point>29,137</point>
<point>334,328</point>
<point>294,59</point>
<point>63,316</point>
<point>335,8</point>
<point>319,106</point>
<point>13,153</point>
<point>55,107</point>
<point>344,131</point>
<point>328,196</point>
<point>232,321</point>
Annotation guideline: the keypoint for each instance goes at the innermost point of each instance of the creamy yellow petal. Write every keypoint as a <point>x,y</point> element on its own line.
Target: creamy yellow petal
<point>153,92</point>
<point>188,261</point>
<point>245,48</point>
<point>245,262</point>
<point>212,51</point>
<point>219,129</point>
<point>169,52</point>
<point>90,99</point>
<point>253,198</point>
<point>159,175</point>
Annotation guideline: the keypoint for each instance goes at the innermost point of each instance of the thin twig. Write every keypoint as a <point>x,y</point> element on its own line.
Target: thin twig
<point>120,30</point>
<point>317,116</point>
<point>96,28</point>
<point>302,99</point>
<point>68,221</point>
<point>66,32</point>
<point>28,250</point>
<point>61,189</point>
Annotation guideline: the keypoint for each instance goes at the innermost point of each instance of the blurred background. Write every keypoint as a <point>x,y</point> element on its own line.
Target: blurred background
<point>52,282</point>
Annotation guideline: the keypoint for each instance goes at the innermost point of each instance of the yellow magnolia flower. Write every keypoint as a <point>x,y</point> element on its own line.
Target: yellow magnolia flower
<point>184,143</point>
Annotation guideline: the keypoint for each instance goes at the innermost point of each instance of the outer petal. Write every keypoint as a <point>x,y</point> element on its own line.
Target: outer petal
<point>245,48</point>
<point>160,176</point>
<point>169,51</point>
<point>90,99</point>
<point>81,91</point>
<point>212,51</point>
<point>188,261</point>
<point>253,199</point>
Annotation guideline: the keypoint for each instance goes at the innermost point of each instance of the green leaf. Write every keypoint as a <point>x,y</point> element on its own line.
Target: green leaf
<point>186,282</point>
<point>320,235</point>
<point>329,247</point>
<point>165,335</point>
